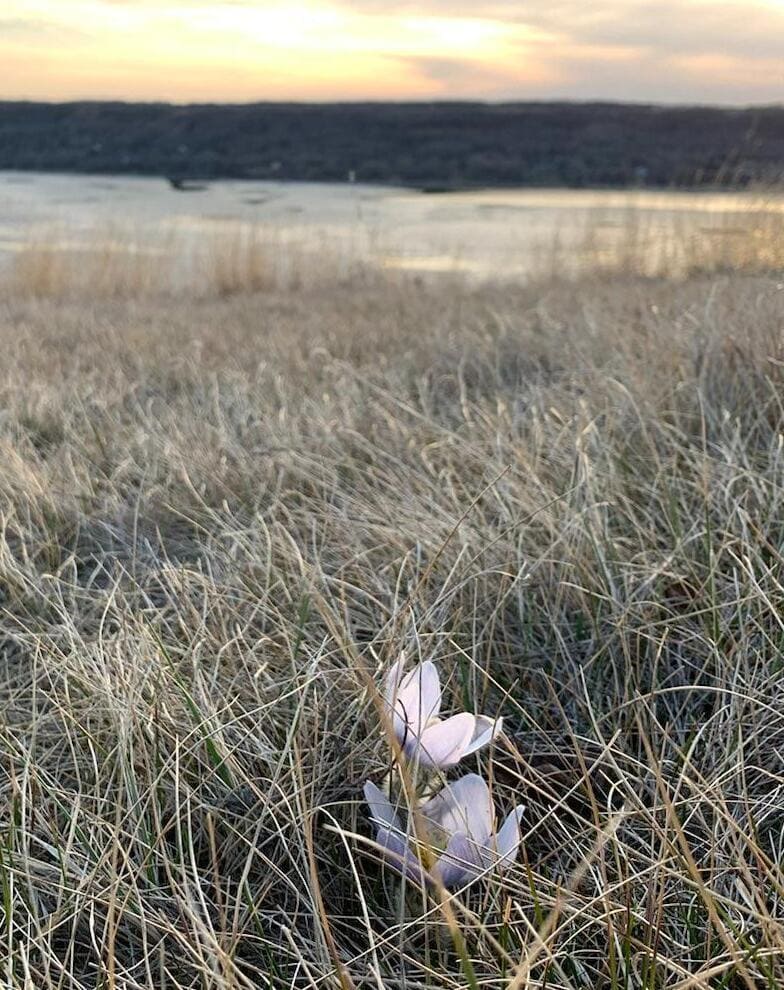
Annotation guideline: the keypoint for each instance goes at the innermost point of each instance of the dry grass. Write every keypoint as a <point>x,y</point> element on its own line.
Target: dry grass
<point>672,245</point>
<point>227,258</point>
<point>218,516</point>
<point>119,262</point>
<point>112,263</point>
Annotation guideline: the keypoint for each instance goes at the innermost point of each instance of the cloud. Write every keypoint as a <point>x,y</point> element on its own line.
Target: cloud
<point>17,27</point>
<point>728,51</point>
<point>556,69</point>
<point>688,79</point>
<point>671,51</point>
<point>752,29</point>
<point>456,75</point>
<point>35,29</point>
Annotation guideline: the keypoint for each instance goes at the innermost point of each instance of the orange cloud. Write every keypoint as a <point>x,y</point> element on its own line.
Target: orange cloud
<point>183,50</point>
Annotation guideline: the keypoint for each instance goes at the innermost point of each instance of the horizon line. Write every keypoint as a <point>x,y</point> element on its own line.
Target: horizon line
<point>478,101</point>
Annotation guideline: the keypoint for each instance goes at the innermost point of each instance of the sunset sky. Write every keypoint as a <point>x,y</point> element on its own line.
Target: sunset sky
<point>706,51</point>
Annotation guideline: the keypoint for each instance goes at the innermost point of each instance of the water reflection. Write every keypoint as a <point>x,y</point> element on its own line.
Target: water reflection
<point>494,232</point>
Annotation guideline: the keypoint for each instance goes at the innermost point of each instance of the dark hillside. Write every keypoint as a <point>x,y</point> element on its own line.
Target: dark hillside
<point>436,145</point>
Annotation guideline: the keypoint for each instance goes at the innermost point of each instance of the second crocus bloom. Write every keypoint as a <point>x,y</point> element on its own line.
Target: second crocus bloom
<point>414,703</point>
<point>460,841</point>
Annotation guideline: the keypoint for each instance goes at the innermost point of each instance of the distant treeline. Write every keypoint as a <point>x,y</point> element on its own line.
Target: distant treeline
<point>428,145</point>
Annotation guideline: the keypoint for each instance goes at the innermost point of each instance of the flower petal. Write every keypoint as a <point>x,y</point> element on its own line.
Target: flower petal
<point>397,852</point>
<point>393,679</point>
<point>390,838</point>
<point>459,863</point>
<point>382,811</point>
<point>418,696</point>
<point>508,839</point>
<point>501,849</point>
<point>485,731</point>
<point>463,807</point>
<point>443,744</point>
<point>391,689</point>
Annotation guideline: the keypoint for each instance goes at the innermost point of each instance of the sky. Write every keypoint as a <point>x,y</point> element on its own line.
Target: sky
<point>670,51</point>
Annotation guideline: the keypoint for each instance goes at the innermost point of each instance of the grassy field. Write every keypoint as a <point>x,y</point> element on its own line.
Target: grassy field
<point>221,521</point>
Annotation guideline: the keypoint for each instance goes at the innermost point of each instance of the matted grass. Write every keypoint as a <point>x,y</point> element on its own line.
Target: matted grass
<point>219,519</point>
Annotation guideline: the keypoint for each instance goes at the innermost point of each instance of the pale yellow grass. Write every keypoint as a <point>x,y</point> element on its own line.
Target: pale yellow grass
<point>680,246</point>
<point>221,516</point>
<point>233,257</point>
<point>125,263</point>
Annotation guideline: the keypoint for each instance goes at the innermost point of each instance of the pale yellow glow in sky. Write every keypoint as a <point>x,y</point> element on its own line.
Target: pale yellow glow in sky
<point>729,51</point>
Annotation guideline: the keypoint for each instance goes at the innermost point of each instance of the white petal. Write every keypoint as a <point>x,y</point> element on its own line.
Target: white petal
<point>443,744</point>
<point>459,863</point>
<point>463,807</point>
<point>508,839</point>
<point>381,809</point>
<point>418,696</point>
<point>393,679</point>
<point>485,732</point>
<point>391,689</point>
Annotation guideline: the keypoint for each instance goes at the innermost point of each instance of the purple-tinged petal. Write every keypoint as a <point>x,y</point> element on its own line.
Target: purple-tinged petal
<point>485,731</point>
<point>463,807</point>
<point>382,810</point>
<point>397,852</point>
<point>418,697</point>
<point>501,849</point>
<point>442,744</point>
<point>390,838</point>
<point>459,863</point>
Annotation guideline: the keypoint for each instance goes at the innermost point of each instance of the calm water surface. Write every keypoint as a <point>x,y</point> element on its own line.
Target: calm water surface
<point>492,232</point>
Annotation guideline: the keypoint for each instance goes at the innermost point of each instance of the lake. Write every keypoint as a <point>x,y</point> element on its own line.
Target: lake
<point>485,233</point>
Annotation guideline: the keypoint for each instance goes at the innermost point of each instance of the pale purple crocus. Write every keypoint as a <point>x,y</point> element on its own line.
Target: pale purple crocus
<point>459,827</point>
<point>414,700</point>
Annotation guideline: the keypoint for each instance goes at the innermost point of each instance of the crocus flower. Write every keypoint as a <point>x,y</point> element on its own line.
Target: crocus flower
<point>459,827</point>
<point>414,700</point>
